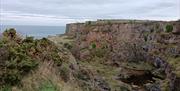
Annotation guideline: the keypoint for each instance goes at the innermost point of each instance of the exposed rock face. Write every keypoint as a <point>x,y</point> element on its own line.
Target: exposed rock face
<point>74,28</point>
<point>177,30</point>
<point>109,38</point>
<point>112,34</point>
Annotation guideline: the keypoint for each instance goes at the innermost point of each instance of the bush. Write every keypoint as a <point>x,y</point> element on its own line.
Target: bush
<point>48,86</point>
<point>6,88</point>
<point>16,64</point>
<point>169,28</point>
<point>28,39</point>
<point>18,58</point>
<point>93,45</point>
<point>67,45</point>
<point>10,33</point>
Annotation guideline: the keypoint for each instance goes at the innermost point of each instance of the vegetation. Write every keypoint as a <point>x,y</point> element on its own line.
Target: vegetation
<point>93,45</point>
<point>88,23</point>
<point>20,56</point>
<point>98,52</point>
<point>64,73</point>
<point>106,64</point>
<point>67,45</point>
<point>48,86</point>
<point>145,38</point>
<point>6,88</point>
<point>169,28</point>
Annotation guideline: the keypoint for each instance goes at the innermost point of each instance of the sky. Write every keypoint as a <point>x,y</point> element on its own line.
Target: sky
<point>61,12</point>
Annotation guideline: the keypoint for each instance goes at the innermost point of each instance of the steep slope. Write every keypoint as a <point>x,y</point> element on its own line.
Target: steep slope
<point>140,48</point>
<point>35,65</point>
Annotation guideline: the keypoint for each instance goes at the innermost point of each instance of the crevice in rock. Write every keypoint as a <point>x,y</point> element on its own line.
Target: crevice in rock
<point>142,79</point>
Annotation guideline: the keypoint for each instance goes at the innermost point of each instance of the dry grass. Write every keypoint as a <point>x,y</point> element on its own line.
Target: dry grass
<point>59,40</point>
<point>46,77</point>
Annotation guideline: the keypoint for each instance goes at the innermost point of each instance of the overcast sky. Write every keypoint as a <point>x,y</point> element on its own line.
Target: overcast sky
<point>60,12</point>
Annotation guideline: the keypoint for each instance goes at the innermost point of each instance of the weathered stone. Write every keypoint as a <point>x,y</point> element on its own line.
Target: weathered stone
<point>152,87</point>
<point>157,43</point>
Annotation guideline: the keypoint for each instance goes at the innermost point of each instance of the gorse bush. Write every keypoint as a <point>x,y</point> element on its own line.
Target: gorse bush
<point>169,28</point>
<point>93,45</point>
<point>10,33</point>
<point>14,60</point>
<point>29,39</point>
<point>20,56</point>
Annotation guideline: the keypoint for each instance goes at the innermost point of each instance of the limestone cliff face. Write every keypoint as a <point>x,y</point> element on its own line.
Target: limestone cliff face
<point>113,33</point>
<point>72,29</point>
<point>109,36</point>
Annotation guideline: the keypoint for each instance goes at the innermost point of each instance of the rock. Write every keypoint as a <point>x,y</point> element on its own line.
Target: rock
<point>157,45</point>
<point>102,84</point>
<point>85,55</point>
<point>152,87</point>
<point>177,29</point>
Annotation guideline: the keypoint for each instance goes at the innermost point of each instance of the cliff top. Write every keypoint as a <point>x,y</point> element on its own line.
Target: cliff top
<point>102,21</point>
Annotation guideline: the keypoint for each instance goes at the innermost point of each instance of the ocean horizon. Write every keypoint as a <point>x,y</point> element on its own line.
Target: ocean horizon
<point>35,31</point>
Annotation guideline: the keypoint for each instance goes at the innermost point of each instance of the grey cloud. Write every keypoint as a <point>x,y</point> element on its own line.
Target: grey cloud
<point>93,9</point>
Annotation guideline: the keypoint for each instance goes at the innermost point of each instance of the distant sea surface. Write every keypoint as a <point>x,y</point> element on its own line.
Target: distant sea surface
<point>35,31</point>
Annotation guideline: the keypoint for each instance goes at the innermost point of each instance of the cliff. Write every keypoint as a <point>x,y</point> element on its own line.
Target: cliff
<point>103,55</point>
<point>119,41</point>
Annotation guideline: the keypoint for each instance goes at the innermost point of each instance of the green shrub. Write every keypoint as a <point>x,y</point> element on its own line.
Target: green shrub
<point>10,33</point>
<point>28,39</point>
<point>22,56</point>
<point>45,42</point>
<point>169,28</point>
<point>56,58</point>
<point>17,64</point>
<point>6,88</point>
<point>93,45</point>
<point>67,45</point>
<point>48,86</point>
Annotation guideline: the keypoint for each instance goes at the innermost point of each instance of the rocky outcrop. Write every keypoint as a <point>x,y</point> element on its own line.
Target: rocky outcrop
<point>112,34</point>
<point>158,41</point>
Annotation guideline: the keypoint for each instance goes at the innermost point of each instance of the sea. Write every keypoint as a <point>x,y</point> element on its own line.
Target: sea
<point>35,31</point>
